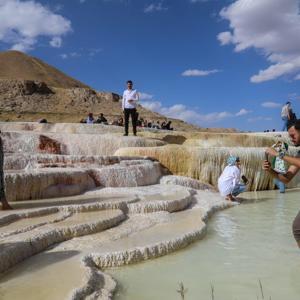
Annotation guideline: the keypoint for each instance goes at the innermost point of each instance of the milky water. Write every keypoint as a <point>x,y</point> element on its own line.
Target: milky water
<point>243,245</point>
<point>50,275</point>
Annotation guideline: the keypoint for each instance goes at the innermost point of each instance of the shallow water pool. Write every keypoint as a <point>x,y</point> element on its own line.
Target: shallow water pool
<point>244,246</point>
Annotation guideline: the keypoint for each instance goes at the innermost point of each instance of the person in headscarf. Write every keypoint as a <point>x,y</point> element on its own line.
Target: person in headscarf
<point>229,184</point>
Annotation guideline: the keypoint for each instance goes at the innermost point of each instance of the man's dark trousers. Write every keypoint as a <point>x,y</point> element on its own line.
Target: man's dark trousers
<point>130,112</point>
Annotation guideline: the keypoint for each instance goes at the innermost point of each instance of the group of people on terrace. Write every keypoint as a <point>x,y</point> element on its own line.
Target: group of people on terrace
<point>165,125</point>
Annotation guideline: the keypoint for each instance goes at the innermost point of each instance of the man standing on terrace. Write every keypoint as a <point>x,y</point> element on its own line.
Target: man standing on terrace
<point>129,103</point>
<point>294,133</point>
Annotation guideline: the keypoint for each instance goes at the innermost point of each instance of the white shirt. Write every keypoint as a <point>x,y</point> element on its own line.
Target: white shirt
<point>230,177</point>
<point>285,111</point>
<point>89,120</point>
<point>130,95</point>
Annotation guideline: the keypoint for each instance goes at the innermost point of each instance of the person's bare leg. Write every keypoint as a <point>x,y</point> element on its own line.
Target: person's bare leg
<point>229,197</point>
<point>5,205</point>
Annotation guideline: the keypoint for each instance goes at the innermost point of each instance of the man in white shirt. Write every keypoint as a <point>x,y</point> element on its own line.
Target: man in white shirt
<point>129,103</point>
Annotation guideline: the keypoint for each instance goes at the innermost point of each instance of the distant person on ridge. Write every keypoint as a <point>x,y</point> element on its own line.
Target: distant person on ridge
<point>90,119</point>
<point>168,126</point>
<point>286,115</point>
<point>129,102</point>
<point>5,205</point>
<point>101,119</point>
<point>120,122</point>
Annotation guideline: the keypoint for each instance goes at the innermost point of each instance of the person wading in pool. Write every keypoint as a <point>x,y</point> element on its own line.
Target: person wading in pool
<point>294,133</point>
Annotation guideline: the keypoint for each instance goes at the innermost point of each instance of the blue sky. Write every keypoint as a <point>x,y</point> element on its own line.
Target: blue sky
<point>215,63</point>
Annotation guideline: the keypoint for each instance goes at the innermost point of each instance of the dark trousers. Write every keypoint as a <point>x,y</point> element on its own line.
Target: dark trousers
<point>130,112</point>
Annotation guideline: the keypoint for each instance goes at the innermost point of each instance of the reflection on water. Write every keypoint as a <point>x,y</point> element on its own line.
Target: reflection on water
<point>244,244</point>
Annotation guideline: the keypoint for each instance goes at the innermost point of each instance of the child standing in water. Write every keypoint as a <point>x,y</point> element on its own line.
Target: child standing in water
<point>279,165</point>
<point>229,182</point>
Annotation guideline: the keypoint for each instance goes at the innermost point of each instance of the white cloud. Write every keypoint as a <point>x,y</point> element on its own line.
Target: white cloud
<point>243,112</point>
<point>23,22</point>
<point>82,1</point>
<point>195,72</point>
<point>83,52</point>
<point>293,97</point>
<point>154,7</point>
<point>75,54</point>
<point>64,56</point>
<point>271,26</point>
<point>259,119</point>
<point>56,42</point>
<point>180,111</point>
<point>145,96</point>
<point>58,7</point>
<point>270,104</point>
<point>152,105</point>
<point>225,38</point>
<point>70,55</point>
<point>94,51</point>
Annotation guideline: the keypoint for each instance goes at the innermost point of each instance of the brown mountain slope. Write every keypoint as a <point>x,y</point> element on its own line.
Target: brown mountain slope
<point>31,90</point>
<point>18,65</point>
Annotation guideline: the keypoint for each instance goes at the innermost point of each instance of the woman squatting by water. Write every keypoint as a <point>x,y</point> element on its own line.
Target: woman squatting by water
<point>229,182</point>
<point>294,162</point>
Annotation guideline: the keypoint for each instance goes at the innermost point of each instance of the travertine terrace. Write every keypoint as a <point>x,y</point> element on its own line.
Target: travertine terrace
<point>91,199</point>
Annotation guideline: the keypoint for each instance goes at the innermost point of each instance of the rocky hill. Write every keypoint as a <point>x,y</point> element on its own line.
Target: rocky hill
<point>31,90</point>
<point>17,65</point>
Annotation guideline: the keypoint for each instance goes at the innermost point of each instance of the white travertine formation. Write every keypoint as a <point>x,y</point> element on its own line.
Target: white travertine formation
<point>206,164</point>
<point>71,144</point>
<point>98,285</point>
<point>128,174</point>
<point>175,200</point>
<point>47,183</point>
<point>111,210</point>
<point>40,183</point>
<point>19,161</point>
<point>163,238</point>
<point>18,247</point>
<point>27,224</point>
<point>60,127</point>
<point>185,181</point>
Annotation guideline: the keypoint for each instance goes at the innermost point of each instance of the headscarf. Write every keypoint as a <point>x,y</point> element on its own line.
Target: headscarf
<point>231,160</point>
